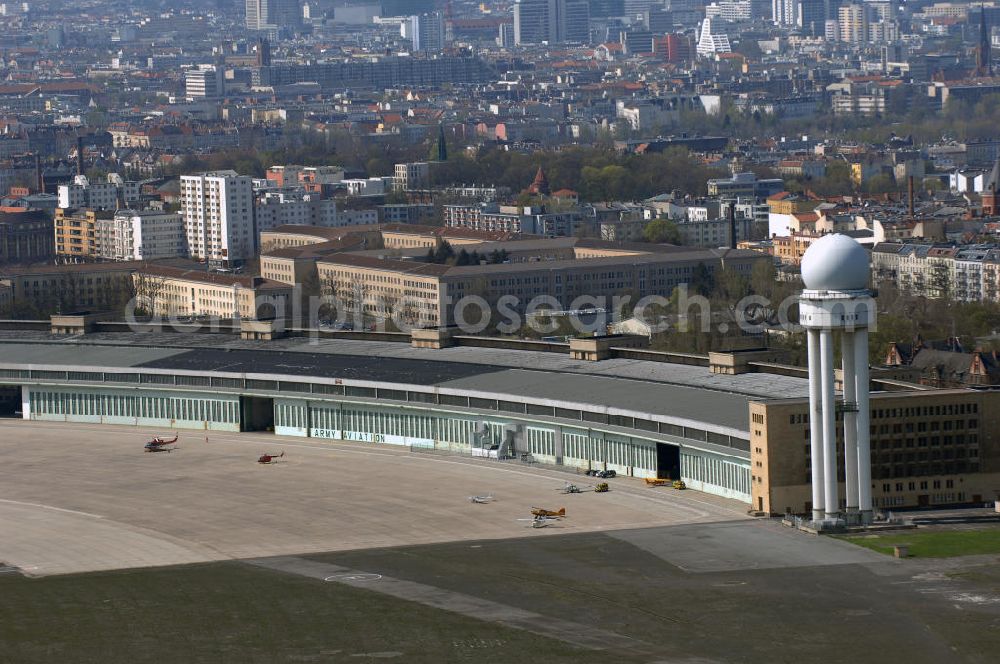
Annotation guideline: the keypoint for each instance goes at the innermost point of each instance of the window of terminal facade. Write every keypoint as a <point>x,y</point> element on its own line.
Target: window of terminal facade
<point>929,440</point>
<point>950,446</point>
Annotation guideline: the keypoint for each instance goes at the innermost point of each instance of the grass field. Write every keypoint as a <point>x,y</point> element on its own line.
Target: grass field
<point>230,612</point>
<point>727,616</point>
<point>237,613</point>
<point>934,543</point>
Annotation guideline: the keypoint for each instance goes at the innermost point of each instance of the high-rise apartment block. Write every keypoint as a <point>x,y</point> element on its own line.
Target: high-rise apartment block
<point>218,210</point>
<point>204,82</point>
<point>134,235</point>
<point>551,21</point>
<point>426,31</point>
<point>272,14</point>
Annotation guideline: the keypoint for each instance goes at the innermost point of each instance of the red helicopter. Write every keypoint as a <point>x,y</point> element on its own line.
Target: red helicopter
<point>158,444</point>
<point>270,458</point>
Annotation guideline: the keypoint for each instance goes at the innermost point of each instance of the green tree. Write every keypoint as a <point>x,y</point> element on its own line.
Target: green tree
<point>702,280</point>
<point>661,231</point>
<point>442,253</point>
<point>880,184</point>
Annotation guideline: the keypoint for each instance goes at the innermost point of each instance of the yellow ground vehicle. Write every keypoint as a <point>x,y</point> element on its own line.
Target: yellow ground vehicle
<point>602,488</point>
<point>679,484</point>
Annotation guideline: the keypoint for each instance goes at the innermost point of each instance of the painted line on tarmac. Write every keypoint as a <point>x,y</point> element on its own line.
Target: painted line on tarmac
<point>50,507</point>
<point>354,577</point>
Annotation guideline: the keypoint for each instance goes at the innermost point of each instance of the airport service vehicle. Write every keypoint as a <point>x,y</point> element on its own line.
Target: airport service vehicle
<point>601,473</point>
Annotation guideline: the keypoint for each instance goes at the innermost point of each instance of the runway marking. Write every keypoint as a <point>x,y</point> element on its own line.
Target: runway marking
<point>50,507</point>
<point>359,576</point>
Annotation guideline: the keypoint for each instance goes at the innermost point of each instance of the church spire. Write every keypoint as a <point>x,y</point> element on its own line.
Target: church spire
<point>442,144</point>
<point>541,183</point>
<point>984,54</point>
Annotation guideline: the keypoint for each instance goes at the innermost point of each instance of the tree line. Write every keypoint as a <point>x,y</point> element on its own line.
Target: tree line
<point>595,173</point>
<point>445,254</point>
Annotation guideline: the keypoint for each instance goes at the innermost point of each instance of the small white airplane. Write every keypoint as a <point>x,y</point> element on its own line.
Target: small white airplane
<point>481,500</point>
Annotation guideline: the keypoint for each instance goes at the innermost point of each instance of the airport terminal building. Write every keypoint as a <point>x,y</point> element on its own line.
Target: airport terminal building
<point>563,413</point>
<point>742,436</point>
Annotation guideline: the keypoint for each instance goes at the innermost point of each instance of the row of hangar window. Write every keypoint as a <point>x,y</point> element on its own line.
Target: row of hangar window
<point>623,421</point>
<point>716,471</point>
<point>880,413</point>
<point>117,405</point>
<point>619,451</point>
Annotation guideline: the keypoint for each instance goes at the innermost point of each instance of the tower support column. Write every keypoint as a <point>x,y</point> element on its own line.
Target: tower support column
<point>831,503</point>
<point>863,424</point>
<point>850,428</point>
<point>815,425</point>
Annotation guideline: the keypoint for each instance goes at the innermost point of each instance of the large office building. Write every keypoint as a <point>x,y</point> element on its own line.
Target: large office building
<point>279,208</point>
<point>425,31</point>
<point>576,22</point>
<point>137,235</point>
<point>70,287</point>
<point>607,8</point>
<point>531,22</point>
<point>852,21</point>
<point>386,72</point>
<point>784,12</point>
<point>266,15</point>
<point>82,193</point>
<point>218,210</point>
<point>25,236</point>
<point>563,271</point>
<point>76,232</point>
<point>415,175</point>
<point>166,290</point>
<point>204,82</point>
<point>712,39</point>
<point>968,273</point>
<point>811,16</point>
<point>934,447</point>
<point>551,21</point>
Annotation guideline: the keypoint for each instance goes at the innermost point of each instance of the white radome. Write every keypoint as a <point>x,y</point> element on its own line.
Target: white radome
<point>837,263</point>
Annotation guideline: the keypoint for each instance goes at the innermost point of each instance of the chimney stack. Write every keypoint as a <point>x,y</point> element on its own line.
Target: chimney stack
<point>732,225</point>
<point>79,155</point>
<point>909,185</point>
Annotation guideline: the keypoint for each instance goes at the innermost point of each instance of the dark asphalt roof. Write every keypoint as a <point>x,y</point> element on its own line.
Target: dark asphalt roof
<point>713,407</point>
<point>351,367</point>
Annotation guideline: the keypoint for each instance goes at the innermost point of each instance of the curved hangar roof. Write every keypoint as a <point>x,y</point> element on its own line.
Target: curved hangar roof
<point>676,391</point>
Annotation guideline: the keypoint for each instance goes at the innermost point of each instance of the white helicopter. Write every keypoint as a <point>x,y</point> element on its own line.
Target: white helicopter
<point>481,500</point>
